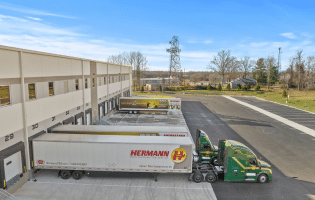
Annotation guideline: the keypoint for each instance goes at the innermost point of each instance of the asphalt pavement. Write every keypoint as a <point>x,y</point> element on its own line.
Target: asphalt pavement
<point>291,154</point>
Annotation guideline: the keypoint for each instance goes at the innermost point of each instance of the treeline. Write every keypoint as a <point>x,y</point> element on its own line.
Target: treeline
<point>300,73</point>
<point>135,59</point>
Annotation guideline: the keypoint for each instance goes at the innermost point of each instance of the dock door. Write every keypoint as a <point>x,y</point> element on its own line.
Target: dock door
<point>12,165</point>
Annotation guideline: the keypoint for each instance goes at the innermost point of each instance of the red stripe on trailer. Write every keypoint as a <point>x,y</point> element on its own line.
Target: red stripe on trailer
<point>89,168</point>
<point>82,168</point>
<point>114,169</point>
<point>163,170</point>
<point>155,170</point>
<point>122,169</point>
<point>131,169</point>
<point>147,170</point>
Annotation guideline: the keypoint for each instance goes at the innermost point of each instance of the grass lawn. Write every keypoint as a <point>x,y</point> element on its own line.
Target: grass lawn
<point>304,100</point>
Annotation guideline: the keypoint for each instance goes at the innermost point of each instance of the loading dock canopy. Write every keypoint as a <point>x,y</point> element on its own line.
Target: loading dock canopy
<point>95,128</point>
<point>78,138</point>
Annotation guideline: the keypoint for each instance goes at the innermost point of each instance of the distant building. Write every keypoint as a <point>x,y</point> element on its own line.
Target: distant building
<point>243,81</point>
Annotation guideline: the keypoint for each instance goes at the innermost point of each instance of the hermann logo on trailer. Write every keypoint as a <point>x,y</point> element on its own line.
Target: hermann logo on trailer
<point>148,153</point>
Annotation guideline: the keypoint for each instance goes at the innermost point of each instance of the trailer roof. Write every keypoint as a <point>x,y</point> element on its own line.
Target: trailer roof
<point>102,128</point>
<point>141,97</point>
<point>56,137</point>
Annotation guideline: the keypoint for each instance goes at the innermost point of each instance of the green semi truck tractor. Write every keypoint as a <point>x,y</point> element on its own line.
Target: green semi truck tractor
<point>231,159</point>
<point>208,153</point>
<point>241,164</point>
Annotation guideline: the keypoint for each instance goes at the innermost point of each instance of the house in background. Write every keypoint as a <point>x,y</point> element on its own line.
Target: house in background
<point>243,81</point>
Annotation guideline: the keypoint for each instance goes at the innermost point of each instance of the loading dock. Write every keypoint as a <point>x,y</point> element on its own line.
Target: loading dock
<point>12,165</point>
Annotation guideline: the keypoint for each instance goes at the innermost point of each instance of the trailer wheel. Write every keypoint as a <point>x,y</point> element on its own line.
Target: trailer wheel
<point>262,178</point>
<point>77,175</point>
<point>197,177</point>
<point>215,161</point>
<point>65,174</point>
<point>211,177</point>
<point>135,112</point>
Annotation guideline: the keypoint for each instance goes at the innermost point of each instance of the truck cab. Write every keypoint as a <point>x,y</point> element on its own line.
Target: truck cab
<point>241,164</point>
<point>208,153</point>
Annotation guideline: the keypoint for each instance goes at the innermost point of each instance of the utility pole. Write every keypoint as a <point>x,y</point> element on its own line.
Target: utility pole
<point>174,56</point>
<point>279,64</point>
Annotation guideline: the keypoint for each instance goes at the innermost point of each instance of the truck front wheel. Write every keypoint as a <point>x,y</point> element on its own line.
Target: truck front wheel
<point>77,175</point>
<point>263,178</point>
<point>65,174</point>
<point>211,177</point>
<point>197,177</point>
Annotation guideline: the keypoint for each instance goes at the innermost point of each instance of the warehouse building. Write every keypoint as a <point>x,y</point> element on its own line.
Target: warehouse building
<point>39,91</point>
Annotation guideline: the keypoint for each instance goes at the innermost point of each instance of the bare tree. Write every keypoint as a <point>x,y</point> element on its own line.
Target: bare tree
<point>246,65</point>
<point>220,62</point>
<point>299,65</point>
<point>196,78</point>
<point>232,68</point>
<point>310,72</point>
<point>136,59</point>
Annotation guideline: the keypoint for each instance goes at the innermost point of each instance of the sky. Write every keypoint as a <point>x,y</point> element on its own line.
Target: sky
<point>98,29</point>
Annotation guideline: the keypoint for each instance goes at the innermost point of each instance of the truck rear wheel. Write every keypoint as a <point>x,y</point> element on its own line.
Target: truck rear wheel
<point>211,177</point>
<point>77,175</point>
<point>197,177</point>
<point>65,174</point>
<point>263,178</point>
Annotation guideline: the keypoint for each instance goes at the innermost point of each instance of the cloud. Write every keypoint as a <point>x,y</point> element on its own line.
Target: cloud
<point>34,18</point>
<point>12,18</point>
<point>11,25</point>
<point>289,35</point>
<point>33,12</point>
<point>193,41</point>
<point>208,42</point>
<point>260,44</point>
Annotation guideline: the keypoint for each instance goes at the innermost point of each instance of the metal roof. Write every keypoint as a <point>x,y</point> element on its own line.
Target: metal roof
<point>83,138</point>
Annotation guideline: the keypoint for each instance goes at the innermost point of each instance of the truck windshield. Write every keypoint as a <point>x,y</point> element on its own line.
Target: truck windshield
<point>245,149</point>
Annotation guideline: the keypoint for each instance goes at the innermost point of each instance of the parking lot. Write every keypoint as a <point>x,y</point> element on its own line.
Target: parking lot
<point>113,187</point>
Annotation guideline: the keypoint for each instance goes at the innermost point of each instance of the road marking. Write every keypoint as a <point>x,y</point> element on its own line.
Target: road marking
<point>276,117</point>
<point>136,186</point>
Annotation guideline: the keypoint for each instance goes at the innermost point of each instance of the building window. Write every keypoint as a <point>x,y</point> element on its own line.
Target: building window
<point>109,80</point>
<point>51,88</point>
<point>86,83</point>
<point>105,81</point>
<point>93,82</point>
<point>99,81</point>
<point>4,95</point>
<point>76,84</point>
<point>31,91</point>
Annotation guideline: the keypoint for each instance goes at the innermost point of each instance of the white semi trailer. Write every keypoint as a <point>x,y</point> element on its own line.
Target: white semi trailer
<point>124,130</point>
<point>138,104</point>
<point>76,154</point>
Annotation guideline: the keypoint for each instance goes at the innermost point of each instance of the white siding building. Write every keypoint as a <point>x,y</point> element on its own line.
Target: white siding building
<point>41,90</point>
